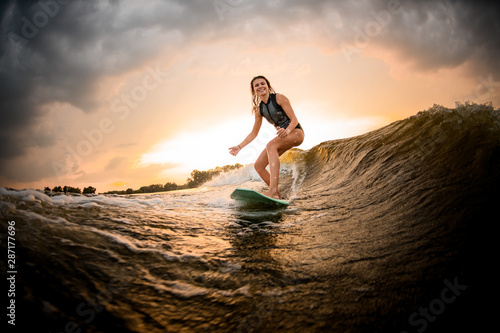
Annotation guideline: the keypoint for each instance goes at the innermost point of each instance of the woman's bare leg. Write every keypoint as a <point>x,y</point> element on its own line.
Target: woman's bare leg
<point>274,171</point>
<point>275,148</point>
<point>260,166</point>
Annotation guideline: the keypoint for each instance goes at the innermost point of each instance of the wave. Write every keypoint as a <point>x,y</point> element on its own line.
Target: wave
<point>413,202</point>
<point>459,145</point>
<point>408,159</point>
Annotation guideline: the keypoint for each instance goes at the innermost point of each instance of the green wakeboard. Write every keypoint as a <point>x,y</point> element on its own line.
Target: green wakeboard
<point>251,196</point>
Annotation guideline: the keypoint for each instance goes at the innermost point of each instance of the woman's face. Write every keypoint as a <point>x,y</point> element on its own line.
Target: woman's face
<point>260,87</point>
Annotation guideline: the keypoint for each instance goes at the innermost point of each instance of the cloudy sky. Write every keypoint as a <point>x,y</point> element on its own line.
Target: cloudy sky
<point>119,94</point>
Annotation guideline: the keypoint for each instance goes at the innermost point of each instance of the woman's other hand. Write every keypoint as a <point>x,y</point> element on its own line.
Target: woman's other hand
<point>234,150</point>
<point>282,132</point>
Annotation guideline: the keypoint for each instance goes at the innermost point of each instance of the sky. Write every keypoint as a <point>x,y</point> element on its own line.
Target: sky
<point>121,94</point>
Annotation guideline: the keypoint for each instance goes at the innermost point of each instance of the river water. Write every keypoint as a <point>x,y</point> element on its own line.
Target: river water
<point>389,231</point>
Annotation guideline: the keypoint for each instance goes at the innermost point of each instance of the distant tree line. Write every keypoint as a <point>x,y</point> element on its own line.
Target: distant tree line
<point>196,179</point>
<point>70,189</point>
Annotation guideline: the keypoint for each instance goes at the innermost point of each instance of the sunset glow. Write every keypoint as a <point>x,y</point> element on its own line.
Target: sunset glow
<point>125,94</point>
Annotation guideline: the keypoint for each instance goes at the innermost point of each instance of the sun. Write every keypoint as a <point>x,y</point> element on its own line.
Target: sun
<point>202,149</point>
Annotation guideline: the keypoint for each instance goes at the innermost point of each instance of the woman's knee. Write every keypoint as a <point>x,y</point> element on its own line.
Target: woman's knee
<point>259,165</point>
<point>272,146</point>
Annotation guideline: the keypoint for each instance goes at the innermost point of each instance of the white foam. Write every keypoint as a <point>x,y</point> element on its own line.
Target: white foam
<point>35,216</point>
<point>26,195</point>
<point>130,243</point>
<point>237,176</point>
<point>122,240</point>
<point>30,195</point>
<point>62,199</point>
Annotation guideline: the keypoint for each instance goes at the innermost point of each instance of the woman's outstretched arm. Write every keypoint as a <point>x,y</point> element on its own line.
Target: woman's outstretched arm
<point>255,130</point>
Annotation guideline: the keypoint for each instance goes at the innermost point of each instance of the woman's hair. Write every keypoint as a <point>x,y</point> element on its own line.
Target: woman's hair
<point>255,97</point>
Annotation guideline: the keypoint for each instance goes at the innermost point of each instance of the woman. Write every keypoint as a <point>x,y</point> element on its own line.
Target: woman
<point>276,108</point>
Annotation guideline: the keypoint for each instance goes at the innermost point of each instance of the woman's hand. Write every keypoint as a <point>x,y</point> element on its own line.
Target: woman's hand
<point>282,132</point>
<point>234,150</point>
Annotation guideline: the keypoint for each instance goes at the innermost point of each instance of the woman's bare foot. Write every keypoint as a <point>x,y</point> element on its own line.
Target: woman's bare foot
<point>273,194</point>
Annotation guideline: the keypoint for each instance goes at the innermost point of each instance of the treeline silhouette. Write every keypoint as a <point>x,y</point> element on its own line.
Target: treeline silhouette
<point>70,189</point>
<point>196,179</point>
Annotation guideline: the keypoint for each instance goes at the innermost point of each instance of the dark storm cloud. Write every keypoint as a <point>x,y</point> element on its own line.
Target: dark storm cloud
<point>436,34</point>
<point>57,51</point>
<point>431,34</point>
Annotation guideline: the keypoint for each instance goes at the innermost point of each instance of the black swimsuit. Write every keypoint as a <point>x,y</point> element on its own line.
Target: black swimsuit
<point>275,114</point>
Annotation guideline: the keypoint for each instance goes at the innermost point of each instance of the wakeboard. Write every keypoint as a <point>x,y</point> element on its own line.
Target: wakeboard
<point>253,197</point>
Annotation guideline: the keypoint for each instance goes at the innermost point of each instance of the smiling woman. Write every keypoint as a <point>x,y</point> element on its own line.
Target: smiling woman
<point>278,111</point>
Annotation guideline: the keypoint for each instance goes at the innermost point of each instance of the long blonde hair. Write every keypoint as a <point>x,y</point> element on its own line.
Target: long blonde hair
<point>255,98</point>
